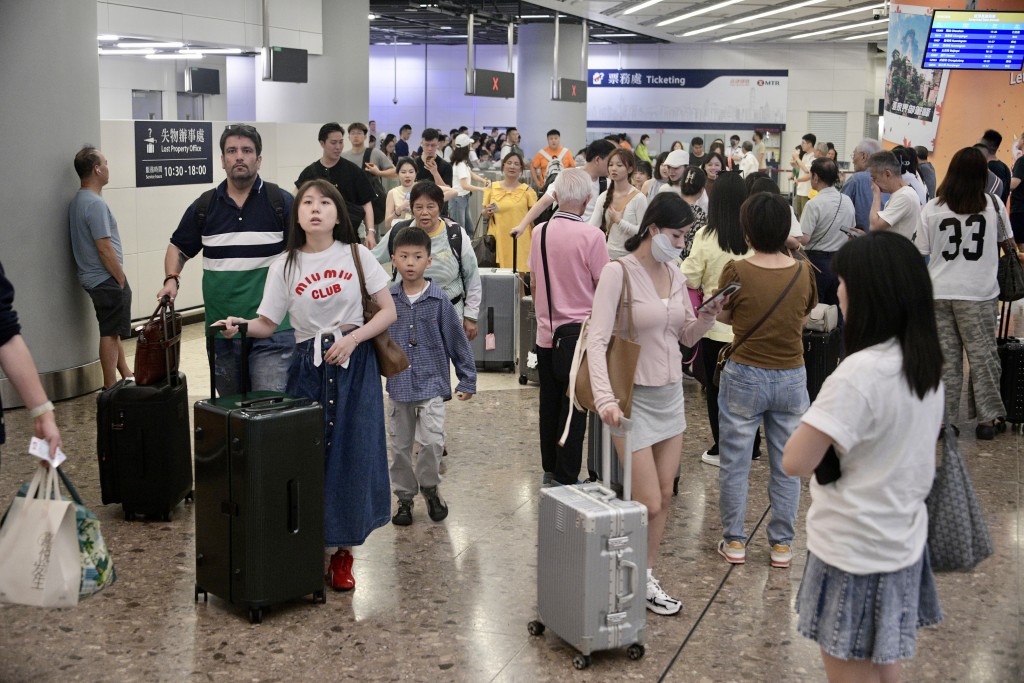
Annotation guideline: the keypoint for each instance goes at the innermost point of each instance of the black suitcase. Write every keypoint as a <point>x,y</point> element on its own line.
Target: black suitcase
<point>259,497</point>
<point>143,445</point>
<point>821,357</point>
<point>527,341</point>
<point>1011,379</point>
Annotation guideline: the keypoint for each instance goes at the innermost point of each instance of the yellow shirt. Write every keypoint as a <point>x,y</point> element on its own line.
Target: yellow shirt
<point>512,208</point>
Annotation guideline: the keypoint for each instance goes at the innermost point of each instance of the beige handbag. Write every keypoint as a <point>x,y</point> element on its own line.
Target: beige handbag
<point>622,357</point>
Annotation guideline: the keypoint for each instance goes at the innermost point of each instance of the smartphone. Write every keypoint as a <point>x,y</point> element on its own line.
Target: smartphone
<point>827,470</point>
<point>850,232</point>
<point>729,289</point>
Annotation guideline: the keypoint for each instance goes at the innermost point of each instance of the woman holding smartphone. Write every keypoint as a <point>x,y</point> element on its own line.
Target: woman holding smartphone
<point>506,203</point>
<point>397,204</point>
<point>868,586</point>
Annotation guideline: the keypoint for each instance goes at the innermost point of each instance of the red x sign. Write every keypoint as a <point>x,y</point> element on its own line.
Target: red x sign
<point>494,83</point>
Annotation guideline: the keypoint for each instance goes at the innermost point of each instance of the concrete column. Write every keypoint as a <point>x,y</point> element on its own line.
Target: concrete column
<point>536,113</point>
<point>50,107</point>
<point>339,81</point>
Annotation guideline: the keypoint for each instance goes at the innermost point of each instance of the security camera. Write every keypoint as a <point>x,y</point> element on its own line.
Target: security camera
<point>394,100</point>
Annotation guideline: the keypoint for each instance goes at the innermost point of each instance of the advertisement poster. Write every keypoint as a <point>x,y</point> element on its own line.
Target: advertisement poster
<point>173,153</point>
<point>913,95</point>
<point>687,98</point>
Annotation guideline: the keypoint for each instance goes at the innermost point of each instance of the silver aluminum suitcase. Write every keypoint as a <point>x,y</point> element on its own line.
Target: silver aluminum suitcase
<point>592,565</point>
<point>527,342</point>
<point>498,312</point>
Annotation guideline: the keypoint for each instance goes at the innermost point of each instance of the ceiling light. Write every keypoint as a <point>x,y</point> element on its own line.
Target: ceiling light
<point>612,35</point>
<point>802,22</point>
<point>868,35</point>
<point>460,35</point>
<point>174,55</point>
<point>210,51</point>
<point>769,13</point>
<point>535,16</point>
<point>642,5</point>
<point>713,27</point>
<point>107,38</point>
<point>371,16</point>
<point>702,10</point>
<point>126,52</point>
<point>845,27</point>
<point>445,28</point>
<point>164,44</point>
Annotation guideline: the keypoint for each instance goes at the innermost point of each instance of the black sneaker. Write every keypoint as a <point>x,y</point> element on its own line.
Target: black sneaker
<point>436,507</point>
<point>404,515</point>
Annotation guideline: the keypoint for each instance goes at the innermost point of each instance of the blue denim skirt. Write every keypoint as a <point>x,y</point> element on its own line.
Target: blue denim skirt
<point>871,616</point>
<point>357,491</point>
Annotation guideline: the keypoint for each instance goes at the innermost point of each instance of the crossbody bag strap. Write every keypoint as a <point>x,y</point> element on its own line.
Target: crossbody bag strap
<point>626,304</point>
<point>732,348</point>
<point>547,275</point>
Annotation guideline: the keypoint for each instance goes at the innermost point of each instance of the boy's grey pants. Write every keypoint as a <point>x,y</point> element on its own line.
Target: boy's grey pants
<point>410,423</point>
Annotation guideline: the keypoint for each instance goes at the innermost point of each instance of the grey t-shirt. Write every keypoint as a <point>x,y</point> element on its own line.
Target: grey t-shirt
<point>822,218</point>
<point>376,157</point>
<point>90,219</point>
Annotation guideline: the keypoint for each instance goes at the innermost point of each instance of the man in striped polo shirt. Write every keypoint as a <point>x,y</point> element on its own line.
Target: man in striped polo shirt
<point>240,226</point>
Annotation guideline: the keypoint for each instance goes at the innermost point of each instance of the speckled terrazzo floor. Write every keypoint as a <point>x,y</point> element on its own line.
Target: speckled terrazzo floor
<point>450,601</point>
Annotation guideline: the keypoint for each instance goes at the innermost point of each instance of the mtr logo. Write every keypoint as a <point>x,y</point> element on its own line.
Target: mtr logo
<point>764,82</point>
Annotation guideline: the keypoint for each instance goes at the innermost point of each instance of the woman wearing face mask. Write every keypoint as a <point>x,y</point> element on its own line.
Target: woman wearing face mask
<point>664,318</point>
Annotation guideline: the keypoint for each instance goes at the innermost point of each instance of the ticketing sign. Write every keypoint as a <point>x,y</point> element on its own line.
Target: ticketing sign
<point>173,153</point>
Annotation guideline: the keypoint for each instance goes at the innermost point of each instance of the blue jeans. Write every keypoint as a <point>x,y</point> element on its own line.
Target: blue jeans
<point>268,363</point>
<point>746,395</point>
<point>458,211</point>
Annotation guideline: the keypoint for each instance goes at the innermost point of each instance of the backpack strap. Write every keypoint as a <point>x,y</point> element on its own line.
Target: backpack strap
<point>205,201</point>
<point>202,207</point>
<point>602,184</point>
<point>455,242</point>
<point>366,156</point>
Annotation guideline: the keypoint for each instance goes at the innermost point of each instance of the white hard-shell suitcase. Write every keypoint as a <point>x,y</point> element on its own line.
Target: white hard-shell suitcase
<point>592,564</point>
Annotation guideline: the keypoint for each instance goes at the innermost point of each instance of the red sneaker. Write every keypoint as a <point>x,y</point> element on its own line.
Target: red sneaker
<point>339,573</point>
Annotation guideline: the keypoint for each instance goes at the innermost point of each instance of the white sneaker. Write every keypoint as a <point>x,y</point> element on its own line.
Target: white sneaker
<point>711,459</point>
<point>658,601</point>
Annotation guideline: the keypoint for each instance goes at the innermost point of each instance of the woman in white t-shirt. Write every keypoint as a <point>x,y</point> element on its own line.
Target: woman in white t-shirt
<point>961,231</point>
<point>398,207</point>
<point>315,283</point>
<point>868,584</point>
<point>462,183</point>
<point>622,206</point>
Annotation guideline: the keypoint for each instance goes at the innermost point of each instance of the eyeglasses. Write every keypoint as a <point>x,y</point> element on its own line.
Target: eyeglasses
<point>243,128</point>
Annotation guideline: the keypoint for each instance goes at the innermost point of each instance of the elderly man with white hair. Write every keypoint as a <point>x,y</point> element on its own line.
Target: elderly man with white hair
<point>567,255</point>
<point>858,186</point>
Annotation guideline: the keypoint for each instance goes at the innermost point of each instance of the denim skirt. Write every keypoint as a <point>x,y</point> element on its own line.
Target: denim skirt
<point>657,414</point>
<point>871,616</point>
<point>357,491</point>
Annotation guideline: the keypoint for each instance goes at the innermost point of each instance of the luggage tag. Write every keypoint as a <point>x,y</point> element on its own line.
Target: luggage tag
<point>41,449</point>
<point>489,342</point>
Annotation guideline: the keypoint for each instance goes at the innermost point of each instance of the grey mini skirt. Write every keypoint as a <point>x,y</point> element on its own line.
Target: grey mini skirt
<point>658,414</point>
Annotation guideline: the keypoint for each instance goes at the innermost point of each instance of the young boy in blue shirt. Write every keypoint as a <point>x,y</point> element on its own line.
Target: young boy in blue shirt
<point>430,332</point>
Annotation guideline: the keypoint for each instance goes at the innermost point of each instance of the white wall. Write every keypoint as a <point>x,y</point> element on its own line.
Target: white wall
<point>147,216</point>
<point>119,76</point>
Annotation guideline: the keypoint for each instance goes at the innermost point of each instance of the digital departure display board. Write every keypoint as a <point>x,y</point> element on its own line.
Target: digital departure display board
<point>975,40</point>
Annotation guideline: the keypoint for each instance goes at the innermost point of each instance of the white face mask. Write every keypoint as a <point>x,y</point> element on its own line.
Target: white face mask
<point>662,249</point>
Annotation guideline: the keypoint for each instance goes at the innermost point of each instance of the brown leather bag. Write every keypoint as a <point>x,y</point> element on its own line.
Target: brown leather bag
<point>390,357</point>
<point>622,357</point>
<point>158,347</point>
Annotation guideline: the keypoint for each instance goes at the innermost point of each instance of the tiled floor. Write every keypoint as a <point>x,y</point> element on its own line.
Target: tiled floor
<point>450,601</point>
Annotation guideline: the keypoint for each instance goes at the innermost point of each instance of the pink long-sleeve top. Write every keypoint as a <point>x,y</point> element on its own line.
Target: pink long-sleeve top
<point>659,327</point>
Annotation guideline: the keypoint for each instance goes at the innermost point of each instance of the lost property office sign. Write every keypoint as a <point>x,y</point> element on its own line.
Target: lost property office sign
<point>173,153</point>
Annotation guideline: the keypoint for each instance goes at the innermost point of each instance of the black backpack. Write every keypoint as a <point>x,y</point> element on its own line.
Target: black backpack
<point>546,214</point>
<point>202,205</point>
<point>379,201</point>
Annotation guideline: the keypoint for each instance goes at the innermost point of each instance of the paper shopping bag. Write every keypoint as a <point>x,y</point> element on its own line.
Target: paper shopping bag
<point>39,559</point>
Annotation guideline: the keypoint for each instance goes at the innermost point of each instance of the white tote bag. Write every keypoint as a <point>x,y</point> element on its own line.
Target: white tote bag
<point>39,560</point>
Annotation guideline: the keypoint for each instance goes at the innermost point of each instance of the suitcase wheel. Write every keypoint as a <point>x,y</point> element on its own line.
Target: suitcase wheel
<point>320,596</point>
<point>535,628</point>
<point>255,615</point>
<point>635,651</point>
<point>165,516</point>
<point>580,661</point>
<point>522,380</point>
<point>206,596</point>
<point>190,496</point>
<point>128,515</point>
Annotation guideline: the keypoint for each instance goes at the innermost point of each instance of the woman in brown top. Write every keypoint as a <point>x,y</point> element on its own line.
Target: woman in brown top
<point>764,378</point>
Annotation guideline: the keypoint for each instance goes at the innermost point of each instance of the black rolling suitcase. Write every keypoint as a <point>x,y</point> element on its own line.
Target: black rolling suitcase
<point>143,446</point>
<point>821,358</point>
<point>259,497</point>
<point>527,341</point>
<point>1011,380</point>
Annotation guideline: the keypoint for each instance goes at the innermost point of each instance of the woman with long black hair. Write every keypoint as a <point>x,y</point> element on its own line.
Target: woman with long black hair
<point>867,586</point>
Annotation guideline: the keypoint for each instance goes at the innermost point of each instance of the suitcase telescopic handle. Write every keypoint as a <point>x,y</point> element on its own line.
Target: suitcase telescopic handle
<point>633,574</point>
<point>211,334</point>
<point>626,426</point>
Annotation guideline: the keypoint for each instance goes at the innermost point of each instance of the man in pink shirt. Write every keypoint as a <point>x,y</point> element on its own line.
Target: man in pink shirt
<point>563,292</point>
